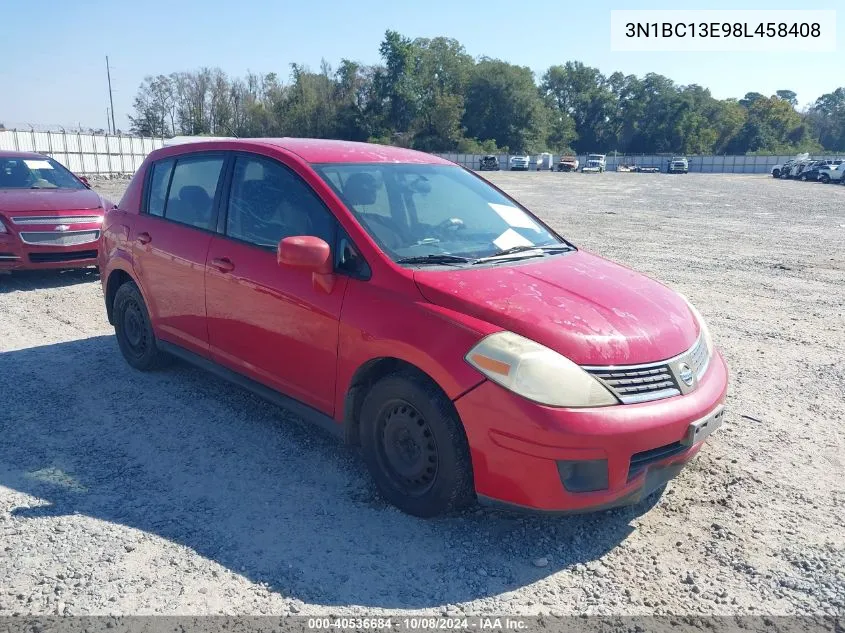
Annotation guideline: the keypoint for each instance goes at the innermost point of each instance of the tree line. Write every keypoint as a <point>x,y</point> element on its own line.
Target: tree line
<point>429,94</point>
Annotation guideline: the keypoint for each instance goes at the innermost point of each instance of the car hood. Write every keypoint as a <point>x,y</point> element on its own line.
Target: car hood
<point>15,200</point>
<point>591,310</point>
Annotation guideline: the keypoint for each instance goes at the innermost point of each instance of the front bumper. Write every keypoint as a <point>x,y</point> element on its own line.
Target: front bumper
<point>15,254</point>
<point>517,446</point>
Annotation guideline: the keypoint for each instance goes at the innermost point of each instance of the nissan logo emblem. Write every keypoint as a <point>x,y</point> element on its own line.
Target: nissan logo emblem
<point>685,374</point>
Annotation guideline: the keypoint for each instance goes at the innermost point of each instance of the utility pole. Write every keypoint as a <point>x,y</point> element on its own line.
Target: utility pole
<point>111,101</point>
<point>108,124</point>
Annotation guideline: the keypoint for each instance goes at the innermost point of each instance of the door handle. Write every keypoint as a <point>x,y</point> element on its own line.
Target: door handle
<point>223,264</point>
<point>144,238</point>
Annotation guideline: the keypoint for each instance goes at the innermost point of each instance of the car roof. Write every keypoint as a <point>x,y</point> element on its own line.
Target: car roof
<point>11,154</point>
<point>314,150</point>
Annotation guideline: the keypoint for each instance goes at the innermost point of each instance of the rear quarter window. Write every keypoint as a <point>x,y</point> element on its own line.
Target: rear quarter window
<point>159,181</point>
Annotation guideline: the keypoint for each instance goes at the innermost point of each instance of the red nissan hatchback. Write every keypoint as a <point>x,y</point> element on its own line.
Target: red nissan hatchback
<point>420,312</point>
<point>49,218</point>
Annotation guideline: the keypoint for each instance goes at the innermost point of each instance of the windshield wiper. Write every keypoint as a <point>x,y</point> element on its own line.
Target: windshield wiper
<point>434,259</point>
<point>523,249</point>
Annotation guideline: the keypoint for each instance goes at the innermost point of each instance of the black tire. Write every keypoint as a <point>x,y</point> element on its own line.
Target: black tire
<point>134,331</point>
<point>824,178</point>
<point>776,173</point>
<point>415,446</point>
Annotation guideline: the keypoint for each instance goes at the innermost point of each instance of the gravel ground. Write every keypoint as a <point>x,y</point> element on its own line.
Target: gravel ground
<point>175,493</point>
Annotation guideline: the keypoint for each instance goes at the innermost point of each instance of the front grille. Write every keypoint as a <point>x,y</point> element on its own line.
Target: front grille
<point>60,238</point>
<point>639,384</point>
<point>44,258</point>
<point>699,358</point>
<point>654,381</point>
<point>640,461</point>
<point>57,219</point>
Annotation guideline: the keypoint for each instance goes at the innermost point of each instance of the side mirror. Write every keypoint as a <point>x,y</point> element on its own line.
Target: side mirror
<point>84,181</point>
<point>311,254</point>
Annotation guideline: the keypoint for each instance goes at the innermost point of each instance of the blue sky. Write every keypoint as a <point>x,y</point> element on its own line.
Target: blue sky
<point>53,69</point>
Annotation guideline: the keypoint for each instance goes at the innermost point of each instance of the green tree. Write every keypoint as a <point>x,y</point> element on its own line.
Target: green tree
<point>789,96</point>
<point>772,125</point>
<point>584,95</point>
<point>154,107</point>
<point>440,73</point>
<point>827,117</point>
<point>502,104</point>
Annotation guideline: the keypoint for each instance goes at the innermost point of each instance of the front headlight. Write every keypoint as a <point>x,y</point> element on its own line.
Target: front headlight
<point>702,325</point>
<point>536,372</point>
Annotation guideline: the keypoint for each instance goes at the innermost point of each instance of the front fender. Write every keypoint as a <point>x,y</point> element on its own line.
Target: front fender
<point>379,323</point>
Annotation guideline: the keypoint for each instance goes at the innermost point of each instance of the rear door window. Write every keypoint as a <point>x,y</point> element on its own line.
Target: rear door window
<point>193,186</point>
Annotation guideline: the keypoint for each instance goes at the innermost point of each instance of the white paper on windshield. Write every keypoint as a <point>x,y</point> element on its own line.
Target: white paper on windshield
<point>37,164</point>
<point>511,238</point>
<point>514,217</point>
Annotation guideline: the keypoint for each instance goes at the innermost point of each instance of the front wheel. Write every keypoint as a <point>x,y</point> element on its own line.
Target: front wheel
<point>134,331</point>
<point>776,173</point>
<point>415,447</point>
<point>824,178</point>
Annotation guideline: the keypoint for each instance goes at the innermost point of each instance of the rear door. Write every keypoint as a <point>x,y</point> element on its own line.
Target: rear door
<point>170,241</point>
<point>268,322</point>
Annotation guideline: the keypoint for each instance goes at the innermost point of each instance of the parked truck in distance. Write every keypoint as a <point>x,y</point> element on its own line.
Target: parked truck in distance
<point>567,163</point>
<point>678,165</point>
<point>595,163</point>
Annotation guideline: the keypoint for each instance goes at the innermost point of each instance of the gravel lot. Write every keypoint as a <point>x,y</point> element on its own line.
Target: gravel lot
<point>176,493</point>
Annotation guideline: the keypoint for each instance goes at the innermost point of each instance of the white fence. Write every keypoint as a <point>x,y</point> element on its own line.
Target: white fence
<point>89,154</point>
<point>706,164</point>
<point>103,154</point>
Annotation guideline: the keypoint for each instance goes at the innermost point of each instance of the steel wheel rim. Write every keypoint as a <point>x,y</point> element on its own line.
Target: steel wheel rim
<point>134,332</point>
<point>407,449</point>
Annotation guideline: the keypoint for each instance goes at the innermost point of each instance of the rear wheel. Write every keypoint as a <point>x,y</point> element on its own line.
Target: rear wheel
<point>415,447</point>
<point>776,173</point>
<point>824,178</point>
<point>134,331</point>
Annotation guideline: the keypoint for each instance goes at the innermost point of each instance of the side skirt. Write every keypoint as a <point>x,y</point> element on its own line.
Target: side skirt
<point>285,402</point>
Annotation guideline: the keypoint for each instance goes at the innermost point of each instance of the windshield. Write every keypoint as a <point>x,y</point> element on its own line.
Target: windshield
<point>35,173</point>
<point>414,211</point>
<point>595,157</point>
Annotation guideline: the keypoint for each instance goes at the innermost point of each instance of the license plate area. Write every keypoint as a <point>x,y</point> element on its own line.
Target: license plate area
<point>700,429</point>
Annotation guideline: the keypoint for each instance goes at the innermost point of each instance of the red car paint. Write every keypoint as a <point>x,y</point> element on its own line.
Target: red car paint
<point>58,213</point>
<point>289,330</point>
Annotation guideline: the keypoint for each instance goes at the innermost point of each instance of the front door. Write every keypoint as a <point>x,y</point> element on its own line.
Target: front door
<point>268,322</point>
